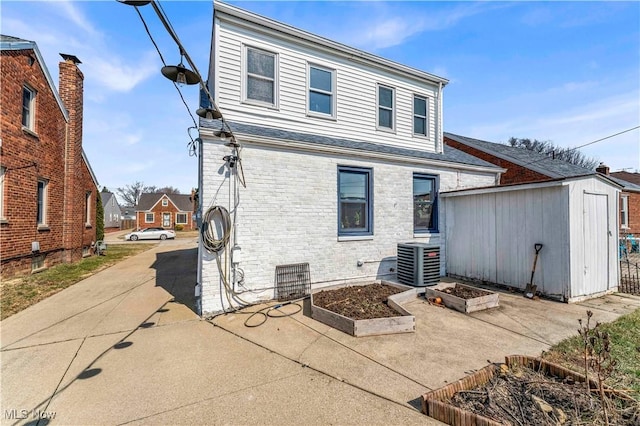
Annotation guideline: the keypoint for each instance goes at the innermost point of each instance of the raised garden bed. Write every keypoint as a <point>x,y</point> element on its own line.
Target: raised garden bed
<point>365,309</point>
<point>524,390</point>
<point>464,298</point>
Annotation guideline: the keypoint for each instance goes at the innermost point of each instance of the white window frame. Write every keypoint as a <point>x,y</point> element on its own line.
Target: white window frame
<point>87,213</point>
<point>2,204</point>
<point>416,115</point>
<point>41,219</point>
<point>246,75</point>
<point>165,202</point>
<point>30,109</point>
<point>391,129</point>
<point>186,219</point>
<point>624,211</point>
<point>146,218</point>
<point>332,93</point>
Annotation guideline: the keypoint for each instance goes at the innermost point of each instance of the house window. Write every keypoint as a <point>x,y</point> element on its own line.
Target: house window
<point>37,262</point>
<point>261,72</point>
<point>2,170</point>
<point>425,203</point>
<point>165,202</point>
<point>28,108</point>
<point>321,91</point>
<point>181,218</point>
<point>355,201</point>
<point>386,109</point>
<point>624,211</point>
<point>420,124</point>
<point>41,212</point>
<point>87,208</point>
<point>148,218</point>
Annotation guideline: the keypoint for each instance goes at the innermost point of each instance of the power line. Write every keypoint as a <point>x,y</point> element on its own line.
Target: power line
<point>146,28</point>
<point>546,156</point>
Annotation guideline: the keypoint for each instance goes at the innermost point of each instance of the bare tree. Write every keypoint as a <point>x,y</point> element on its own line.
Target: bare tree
<point>130,194</point>
<point>569,155</point>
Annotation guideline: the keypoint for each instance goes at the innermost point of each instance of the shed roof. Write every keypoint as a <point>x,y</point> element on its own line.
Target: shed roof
<point>450,155</point>
<point>541,163</point>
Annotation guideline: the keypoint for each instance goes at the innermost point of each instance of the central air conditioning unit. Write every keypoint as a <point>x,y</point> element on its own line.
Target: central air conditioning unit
<point>418,264</point>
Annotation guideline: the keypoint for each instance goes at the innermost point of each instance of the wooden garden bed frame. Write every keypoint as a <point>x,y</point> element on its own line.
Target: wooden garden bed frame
<point>464,305</point>
<point>434,405</point>
<point>405,322</point>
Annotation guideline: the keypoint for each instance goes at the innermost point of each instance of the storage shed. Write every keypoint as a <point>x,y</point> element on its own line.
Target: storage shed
<point>490,234</point>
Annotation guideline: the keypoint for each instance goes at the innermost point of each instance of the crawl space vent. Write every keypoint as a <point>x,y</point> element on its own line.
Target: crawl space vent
<point>292,281</point>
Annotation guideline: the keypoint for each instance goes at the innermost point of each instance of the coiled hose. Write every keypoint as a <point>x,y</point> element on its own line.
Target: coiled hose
<point>216,229</point>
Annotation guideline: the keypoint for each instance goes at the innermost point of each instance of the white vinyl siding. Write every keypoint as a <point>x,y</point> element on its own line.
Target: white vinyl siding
<point>356,90</point>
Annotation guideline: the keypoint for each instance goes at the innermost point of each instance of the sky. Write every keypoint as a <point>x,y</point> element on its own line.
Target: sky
<point>568,72</point>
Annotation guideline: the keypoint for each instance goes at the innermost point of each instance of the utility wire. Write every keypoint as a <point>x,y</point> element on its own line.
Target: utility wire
<point>146,28</point>
<point>546,156</point>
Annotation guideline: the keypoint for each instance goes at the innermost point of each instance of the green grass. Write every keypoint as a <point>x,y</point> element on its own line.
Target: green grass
<point>625,350</point>
<point>21,292</point>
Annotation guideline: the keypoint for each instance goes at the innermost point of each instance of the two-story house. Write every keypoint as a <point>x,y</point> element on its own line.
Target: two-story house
<point>337,156</point>
<point>47,188</point>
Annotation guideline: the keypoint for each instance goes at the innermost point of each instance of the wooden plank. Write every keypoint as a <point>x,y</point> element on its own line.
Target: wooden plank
<point>333,319</point>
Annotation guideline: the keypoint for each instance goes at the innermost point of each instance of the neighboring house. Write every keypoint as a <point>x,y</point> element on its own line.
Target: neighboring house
<point>47,188</point>
<point>165,211</point>
<point>341,152</point>
<point>112,214</point>
<point>522,165</point>
<point>629,201</point>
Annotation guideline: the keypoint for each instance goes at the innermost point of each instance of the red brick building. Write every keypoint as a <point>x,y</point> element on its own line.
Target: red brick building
<point>629,202</point>
<point>165,211</point>
<point>47,189</point>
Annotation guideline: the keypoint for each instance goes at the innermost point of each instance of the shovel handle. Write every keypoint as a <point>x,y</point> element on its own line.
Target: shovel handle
<point>538,247</point>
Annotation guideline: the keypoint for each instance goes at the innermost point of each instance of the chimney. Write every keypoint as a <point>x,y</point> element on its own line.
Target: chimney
<point>602,168</point>
<point>71,93</point>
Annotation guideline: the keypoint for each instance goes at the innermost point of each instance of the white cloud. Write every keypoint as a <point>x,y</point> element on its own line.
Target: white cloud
<point>70,11</point>
<point>113,73</point>
<point>392,26</point>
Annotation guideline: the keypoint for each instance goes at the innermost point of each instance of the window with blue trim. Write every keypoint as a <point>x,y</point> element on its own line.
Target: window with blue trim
<point>425,203</point>
<point>355,201</point>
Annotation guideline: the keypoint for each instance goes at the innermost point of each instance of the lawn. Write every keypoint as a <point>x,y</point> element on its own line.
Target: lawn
<point>624,334</point>
<point>21,292</point>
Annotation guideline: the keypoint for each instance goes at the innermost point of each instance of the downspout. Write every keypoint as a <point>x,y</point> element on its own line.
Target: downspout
<point>439,141</point>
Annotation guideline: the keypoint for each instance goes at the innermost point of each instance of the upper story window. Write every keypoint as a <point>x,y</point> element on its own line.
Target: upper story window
<point>165,202</point>
<point>322,93</point>
<point>87,208</point>
<point>420,122</point>
<point>425,203</point>
<point>624,211</point>
<point>386,107</point>
<point>355,201</point>
<point>41,210</point>
<point>28,108</point>
<point>261,73</point>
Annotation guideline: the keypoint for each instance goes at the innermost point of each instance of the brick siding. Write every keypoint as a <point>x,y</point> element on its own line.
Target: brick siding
<point>29,157</point>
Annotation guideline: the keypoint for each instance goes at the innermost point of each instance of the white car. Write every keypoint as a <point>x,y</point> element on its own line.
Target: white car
<point>150,234</point>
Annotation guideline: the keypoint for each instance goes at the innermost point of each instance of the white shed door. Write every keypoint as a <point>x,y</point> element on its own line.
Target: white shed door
<point>596,243</point>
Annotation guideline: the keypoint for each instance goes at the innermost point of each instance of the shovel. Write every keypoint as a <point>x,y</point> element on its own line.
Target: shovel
<point>530,290</point>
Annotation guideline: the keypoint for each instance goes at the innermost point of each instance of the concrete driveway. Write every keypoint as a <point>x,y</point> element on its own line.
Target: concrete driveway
<point>123,347</point>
